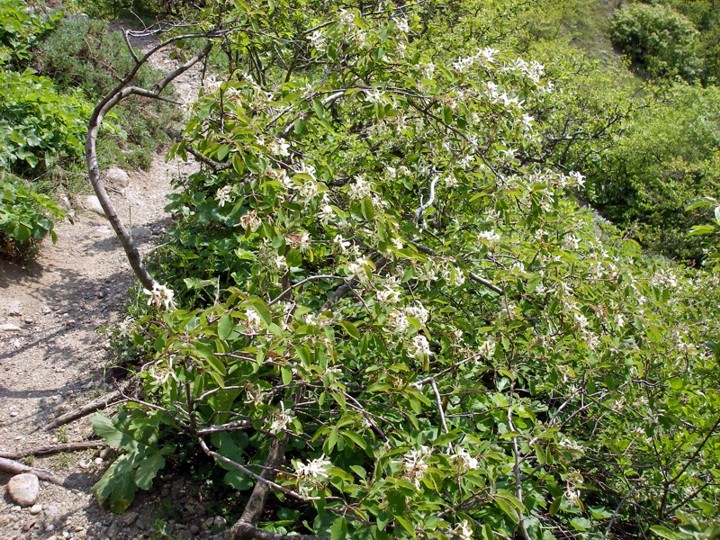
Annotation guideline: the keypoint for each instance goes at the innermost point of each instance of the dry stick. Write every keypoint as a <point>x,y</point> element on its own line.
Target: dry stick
<point>116,95</point>
<point>15,467</point>
<point>49,450</point>
<point>94,405</point>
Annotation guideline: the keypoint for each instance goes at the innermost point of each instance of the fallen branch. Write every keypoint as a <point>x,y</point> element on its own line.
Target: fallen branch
<point>15,467</point>
<point>56,449</point>
<point>94,405</point>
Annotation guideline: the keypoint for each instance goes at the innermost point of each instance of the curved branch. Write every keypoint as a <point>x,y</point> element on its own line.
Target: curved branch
<point>116,95</point>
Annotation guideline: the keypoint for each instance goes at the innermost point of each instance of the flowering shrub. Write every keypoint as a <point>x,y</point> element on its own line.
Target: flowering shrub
<point>394,318</point>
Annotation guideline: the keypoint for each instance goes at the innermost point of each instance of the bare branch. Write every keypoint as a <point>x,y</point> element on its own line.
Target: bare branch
<point>96,404</point>
<point>50,450</point>
<point>15,467</point>
<point>119,93</point>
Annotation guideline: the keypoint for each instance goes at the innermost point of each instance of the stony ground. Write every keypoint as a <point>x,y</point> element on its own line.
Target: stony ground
<point>54,357</point>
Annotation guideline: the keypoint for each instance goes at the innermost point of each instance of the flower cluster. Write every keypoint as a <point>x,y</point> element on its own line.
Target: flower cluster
<point>161,297</point>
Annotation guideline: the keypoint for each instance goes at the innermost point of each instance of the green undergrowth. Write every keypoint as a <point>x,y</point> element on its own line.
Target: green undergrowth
<point>55,68</point>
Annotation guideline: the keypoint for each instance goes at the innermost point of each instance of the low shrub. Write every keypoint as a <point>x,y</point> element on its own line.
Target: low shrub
<point>38,125</point>
<point>21,28</point>
<point>87,54</point>
<point>657,39</point>
<point>25,219</point>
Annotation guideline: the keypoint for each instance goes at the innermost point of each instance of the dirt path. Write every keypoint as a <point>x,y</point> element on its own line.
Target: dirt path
<point>53,355</point>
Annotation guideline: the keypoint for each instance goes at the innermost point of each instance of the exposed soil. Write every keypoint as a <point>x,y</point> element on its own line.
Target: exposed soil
<point>54,357</point>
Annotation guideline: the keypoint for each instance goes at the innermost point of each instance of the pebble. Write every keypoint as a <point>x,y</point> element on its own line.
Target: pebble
<point>7,327</point>
<point>93,204</point>
<point>24,489</point>
<point>36,509</point>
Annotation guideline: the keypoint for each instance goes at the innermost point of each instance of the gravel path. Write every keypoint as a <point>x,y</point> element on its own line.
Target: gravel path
<point>54,357</point>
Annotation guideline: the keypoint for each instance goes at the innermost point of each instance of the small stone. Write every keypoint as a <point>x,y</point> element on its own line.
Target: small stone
<point>130,517</point>
<point>92,203</point>
<point>7,327</point>
<point>29,321</point>
<point>117,177</point>
<point>13,414</point>
<point>219,522</point>
<point>52,510</point>
<point>24,489</point>
<point>84,464</point>
<point>114,530</point>
<point>104,453</point>
<point>99,461</point>
<point>36,509</point>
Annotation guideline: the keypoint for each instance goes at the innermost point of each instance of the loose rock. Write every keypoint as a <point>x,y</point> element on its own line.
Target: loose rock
<point>93,204</point>
<point>24,489</point>
<point>117,178</point>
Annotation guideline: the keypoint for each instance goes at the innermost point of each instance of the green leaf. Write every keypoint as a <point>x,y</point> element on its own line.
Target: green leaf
<point>339,529</point>
<point>664,532</point>
<point>262,309</point>
<point>106,429</point>
<point>225,326</point>
<point>351,329</point>
<point>147,469</point>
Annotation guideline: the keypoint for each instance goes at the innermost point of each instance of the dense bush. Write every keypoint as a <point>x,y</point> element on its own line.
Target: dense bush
<point>382,304</point>
<point>26,218</point>
<point>667,157</point>
<point>38,125</point>
<point>21,28</point>
<point>658,39</point>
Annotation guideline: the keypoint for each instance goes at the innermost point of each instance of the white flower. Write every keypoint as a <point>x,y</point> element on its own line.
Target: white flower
<point>161,297</point>
<point>315,469</point>
<point>402,24</point>
<point>280,147</point>
<point>388,295</point>
<point>281,419</point>
<point>359,189</point>
<point>250,221</point>
<point>318,39</point>
<point>253,320</point>
<point>418,311</point>
<point>398,320</point>
<point>577,178</point>
<point>489,238</point>
<point>487,349</point>
<point>254,395</point>
<point>464,461</point>
<point>419,347</point>
<point>340,242</point>
<point>224,195</point>
<point>415,465</point>
<point>326,214</point>
<point>308,190</point>
<point>463,531</point>
<point>281,263</point>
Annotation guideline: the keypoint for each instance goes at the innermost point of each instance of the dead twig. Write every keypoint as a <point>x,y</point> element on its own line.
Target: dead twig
<point>15,467</point>
<point>96,404</point>
<point>56,449</point>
